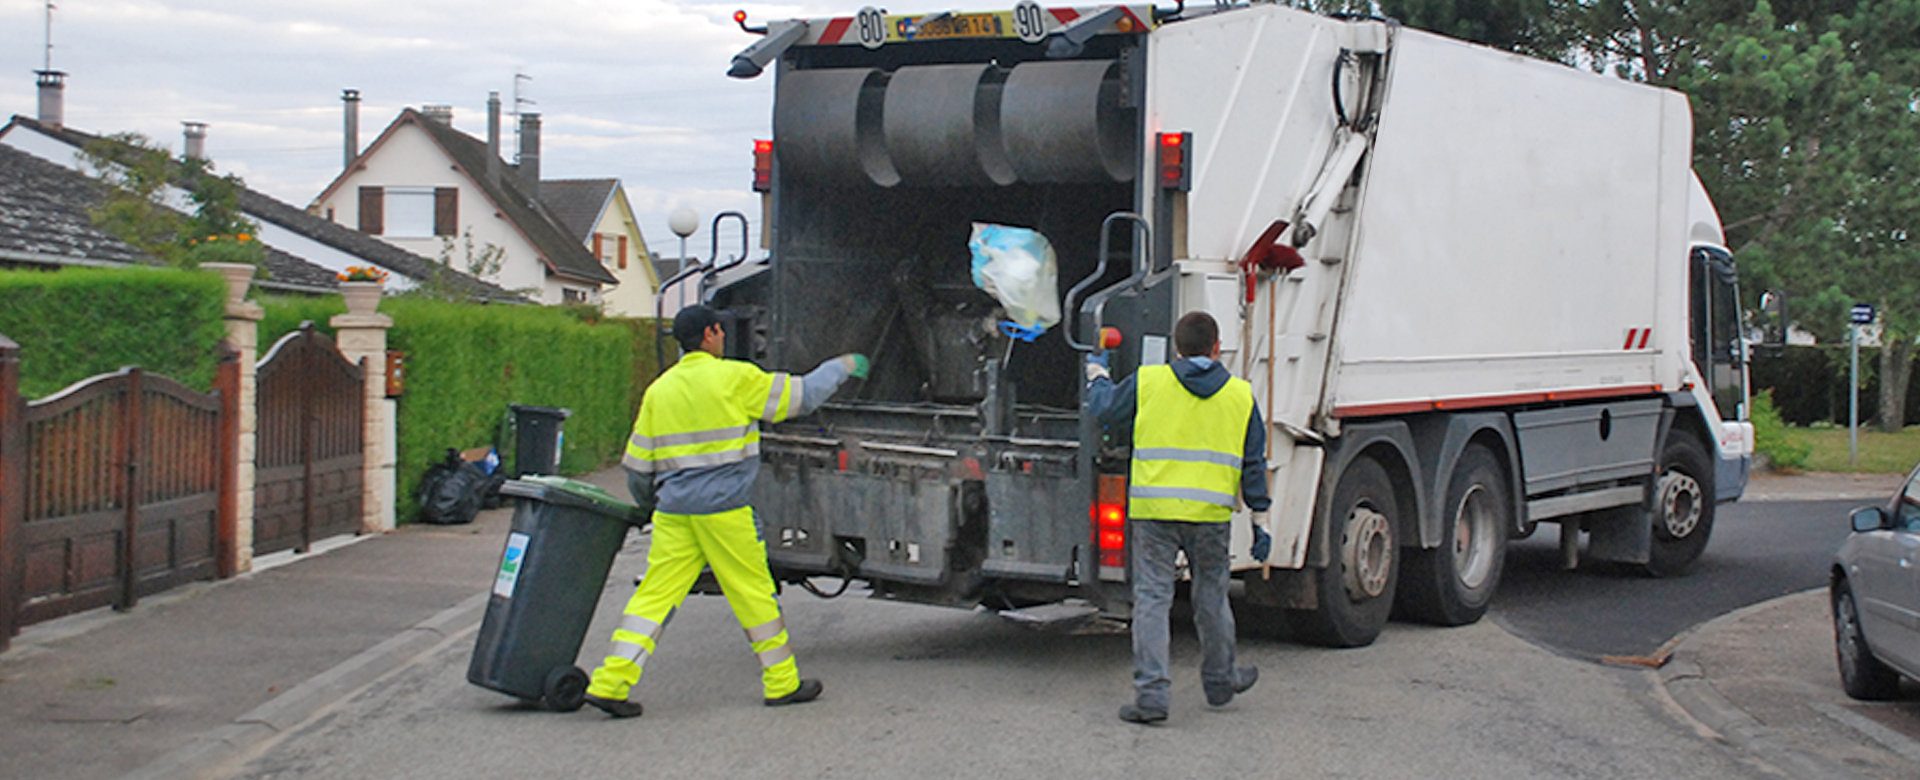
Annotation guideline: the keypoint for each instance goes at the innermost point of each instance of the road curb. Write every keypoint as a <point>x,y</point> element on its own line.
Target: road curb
<point>302,701</point>
<point>1685,683</point>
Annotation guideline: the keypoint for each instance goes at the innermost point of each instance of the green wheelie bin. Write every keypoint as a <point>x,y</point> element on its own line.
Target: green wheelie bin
<point>559,550</point>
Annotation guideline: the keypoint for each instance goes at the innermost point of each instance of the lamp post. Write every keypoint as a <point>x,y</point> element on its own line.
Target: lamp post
<point>683,221</point>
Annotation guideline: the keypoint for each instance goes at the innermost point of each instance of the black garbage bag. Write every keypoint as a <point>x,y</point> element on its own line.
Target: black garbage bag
<point>452,491</point>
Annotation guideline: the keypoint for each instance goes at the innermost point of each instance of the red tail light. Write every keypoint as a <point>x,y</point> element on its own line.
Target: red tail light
<point>762,166</point>
<point>1110,525</point>
<point>1176,161</point>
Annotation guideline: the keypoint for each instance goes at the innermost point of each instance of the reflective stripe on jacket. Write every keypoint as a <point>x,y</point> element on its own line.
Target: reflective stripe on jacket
<point>1187,450</point>
<point>704,411</point>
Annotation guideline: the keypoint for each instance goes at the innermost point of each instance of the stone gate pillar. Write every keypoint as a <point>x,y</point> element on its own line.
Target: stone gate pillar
<point>243,336</point>
<point>362,338</point>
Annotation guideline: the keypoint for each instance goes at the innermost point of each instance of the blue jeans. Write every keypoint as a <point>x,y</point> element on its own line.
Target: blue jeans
<point>1155,545</point>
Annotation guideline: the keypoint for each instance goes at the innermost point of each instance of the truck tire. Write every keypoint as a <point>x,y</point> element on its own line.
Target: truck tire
<point>1355,591</point>
<point>1683,505</point>
<point>1452,584</point>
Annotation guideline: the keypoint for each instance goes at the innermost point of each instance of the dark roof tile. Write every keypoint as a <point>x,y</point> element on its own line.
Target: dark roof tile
<point>577,203</point>
<point>44,211</point>
<point>285,269</point>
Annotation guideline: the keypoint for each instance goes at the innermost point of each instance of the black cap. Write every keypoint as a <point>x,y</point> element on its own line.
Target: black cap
<point>691,324</point>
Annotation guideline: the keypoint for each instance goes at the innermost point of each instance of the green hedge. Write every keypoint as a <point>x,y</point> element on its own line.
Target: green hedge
<point>285,313</point>
<point>77,322</point>
<point>467,362</point>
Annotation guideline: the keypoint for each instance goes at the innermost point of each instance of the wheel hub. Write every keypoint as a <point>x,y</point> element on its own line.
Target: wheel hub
<point>1680,504</point>
<point>1366,552</point>
<point>1847,629</point>
<point>1473,538</point>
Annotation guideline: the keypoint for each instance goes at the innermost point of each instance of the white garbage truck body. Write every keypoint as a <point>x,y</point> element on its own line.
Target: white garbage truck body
<point>1472,292</point>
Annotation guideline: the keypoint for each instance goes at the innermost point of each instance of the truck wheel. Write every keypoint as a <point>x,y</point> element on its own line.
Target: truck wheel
<point>1683,506</point>
<point>1452,584</point>
<point>1863,676</point>
<point>1356,589</point>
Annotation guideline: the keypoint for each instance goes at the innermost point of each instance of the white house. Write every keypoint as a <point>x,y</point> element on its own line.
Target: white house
<point>434,191</point>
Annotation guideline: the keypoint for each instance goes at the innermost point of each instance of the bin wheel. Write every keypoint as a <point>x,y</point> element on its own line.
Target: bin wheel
<point>565,689</point>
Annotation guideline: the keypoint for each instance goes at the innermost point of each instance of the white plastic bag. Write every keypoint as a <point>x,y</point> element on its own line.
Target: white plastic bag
<point>1016,266</point>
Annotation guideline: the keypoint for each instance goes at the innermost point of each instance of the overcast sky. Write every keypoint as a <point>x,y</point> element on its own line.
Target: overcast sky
<point>632,89</point>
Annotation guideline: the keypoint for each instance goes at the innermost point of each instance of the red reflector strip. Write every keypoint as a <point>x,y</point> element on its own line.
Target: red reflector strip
<point>1644,335</point>
<point>836,29</point>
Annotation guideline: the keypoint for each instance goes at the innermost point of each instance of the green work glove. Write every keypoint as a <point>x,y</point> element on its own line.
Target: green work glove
<point>857,365</point>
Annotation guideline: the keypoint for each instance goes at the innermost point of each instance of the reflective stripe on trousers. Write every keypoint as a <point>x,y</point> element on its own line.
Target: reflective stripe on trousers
<point>682,545</point>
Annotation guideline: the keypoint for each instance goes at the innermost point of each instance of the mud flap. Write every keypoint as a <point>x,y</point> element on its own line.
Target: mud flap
<point>1621,534</point>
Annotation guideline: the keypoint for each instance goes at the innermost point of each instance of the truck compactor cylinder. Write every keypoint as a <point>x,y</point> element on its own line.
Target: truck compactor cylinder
<point>956,125</point>
<point>943,125</point>
<point>829,126</point>
<point>1062,123</point>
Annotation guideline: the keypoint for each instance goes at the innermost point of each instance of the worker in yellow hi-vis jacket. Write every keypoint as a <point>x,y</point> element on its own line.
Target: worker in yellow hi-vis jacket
<point>692,458</point>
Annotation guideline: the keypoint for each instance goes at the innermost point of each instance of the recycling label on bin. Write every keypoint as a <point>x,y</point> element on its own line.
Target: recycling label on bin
<point>510,563</point>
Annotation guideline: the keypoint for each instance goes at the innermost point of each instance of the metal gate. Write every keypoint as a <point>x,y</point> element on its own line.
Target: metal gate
<point>308,473</point>
<point>125,474</point>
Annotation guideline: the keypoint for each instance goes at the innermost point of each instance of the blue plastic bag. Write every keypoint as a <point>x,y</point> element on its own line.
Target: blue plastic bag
<point>1017,267</point>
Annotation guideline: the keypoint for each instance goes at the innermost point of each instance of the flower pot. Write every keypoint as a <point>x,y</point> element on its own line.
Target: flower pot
<point>238,275</point>
<point>362,297</point>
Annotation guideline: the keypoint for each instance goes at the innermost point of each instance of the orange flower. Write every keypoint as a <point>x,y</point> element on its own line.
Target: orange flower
<point>244,237</point>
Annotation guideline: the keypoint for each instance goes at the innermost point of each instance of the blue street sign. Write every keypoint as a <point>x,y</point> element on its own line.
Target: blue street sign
<point>1863,314</point>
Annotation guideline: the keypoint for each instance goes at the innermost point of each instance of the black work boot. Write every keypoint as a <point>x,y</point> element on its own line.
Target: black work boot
<point>808,691</point>
<point>1243,679</point>
<point>619,708</point>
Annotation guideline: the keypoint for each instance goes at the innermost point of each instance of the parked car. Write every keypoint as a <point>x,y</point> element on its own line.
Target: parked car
<point>1875,593</point>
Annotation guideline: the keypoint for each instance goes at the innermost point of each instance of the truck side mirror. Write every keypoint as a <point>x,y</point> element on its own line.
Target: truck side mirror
<point>1868,518</point>
<point>1773,321</point>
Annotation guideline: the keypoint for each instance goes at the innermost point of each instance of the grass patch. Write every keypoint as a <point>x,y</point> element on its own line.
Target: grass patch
<point>1880,453</point>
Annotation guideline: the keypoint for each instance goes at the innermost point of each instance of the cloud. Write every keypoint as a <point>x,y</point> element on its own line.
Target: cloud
<point>633,89</point>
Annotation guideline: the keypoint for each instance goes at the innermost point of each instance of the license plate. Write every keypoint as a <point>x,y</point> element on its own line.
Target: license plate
<point>965,26</point>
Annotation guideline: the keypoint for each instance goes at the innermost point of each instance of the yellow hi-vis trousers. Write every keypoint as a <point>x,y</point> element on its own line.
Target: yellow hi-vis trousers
<point>682,544</point>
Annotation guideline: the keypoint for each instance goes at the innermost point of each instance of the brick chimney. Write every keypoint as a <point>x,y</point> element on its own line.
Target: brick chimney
<point>441,114</point>
<point>53,89</point>
<point>530,154</point>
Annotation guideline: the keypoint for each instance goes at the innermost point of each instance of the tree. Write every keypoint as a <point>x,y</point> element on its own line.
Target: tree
<point>1804,129</point>
<point>177,210</point>
<point>1804,135</point>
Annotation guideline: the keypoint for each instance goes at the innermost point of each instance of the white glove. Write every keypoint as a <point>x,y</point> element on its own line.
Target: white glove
<point>1097,371</point>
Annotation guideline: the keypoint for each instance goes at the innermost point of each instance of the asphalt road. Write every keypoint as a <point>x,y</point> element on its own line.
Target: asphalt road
<point>928,692</point>
<point>1758,551</point>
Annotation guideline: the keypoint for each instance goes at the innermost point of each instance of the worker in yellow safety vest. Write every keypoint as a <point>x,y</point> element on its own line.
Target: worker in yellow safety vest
<point>692,461</point>
<point>1198,445</point>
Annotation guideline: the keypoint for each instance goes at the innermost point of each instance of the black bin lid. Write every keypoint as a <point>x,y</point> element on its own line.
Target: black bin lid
<point>572,493</point>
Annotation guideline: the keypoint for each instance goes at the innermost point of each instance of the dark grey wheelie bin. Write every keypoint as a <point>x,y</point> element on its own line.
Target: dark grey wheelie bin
<point>561,546</point>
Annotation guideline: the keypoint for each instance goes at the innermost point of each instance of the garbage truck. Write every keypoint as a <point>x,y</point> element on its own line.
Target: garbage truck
<point>1474,292</point>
